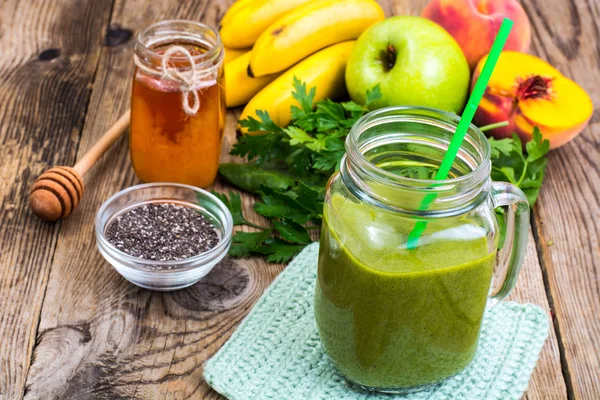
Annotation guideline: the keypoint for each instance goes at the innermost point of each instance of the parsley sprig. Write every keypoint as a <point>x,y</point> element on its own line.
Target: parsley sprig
<point>314,141</point>
<point>288,169</point>
<point>525,170</point>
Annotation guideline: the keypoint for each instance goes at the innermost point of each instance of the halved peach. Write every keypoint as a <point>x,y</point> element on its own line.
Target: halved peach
<point>527,92</point>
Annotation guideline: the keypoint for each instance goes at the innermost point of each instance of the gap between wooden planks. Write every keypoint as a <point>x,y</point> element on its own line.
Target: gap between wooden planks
<point>567,215</point>
<point>47,66</point>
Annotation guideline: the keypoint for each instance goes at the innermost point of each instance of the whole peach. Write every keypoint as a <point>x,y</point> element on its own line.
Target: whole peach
<point>475,23</point>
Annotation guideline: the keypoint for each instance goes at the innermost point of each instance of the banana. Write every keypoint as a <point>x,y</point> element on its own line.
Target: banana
<point>235,7</point>
<point>323,70</point>
<point>232,54</point>
<point>242,25</point>
<point>239,87</point>
<point>309,28</point>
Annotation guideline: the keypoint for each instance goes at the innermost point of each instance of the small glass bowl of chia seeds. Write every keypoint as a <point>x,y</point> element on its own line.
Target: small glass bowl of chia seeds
<point>163,236</point>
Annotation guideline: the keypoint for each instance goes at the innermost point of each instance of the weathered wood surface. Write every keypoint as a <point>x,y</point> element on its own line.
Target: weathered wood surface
<point>71,327</point>
<point>47,65</point>
<point>567,217</point>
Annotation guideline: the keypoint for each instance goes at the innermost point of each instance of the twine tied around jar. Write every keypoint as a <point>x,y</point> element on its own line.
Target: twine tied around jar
<point>188,79</point>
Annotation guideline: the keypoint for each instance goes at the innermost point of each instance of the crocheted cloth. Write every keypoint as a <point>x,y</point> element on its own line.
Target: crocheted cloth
<point>276,353</point>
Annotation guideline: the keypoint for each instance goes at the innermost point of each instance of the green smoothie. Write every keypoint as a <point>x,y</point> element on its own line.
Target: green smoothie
<point>395,318</point>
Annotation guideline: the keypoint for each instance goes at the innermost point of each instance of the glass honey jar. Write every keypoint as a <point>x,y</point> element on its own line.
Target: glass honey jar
<point>177,103</point>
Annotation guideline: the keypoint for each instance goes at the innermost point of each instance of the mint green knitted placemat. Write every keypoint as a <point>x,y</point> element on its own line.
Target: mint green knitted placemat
<point>276,353</point>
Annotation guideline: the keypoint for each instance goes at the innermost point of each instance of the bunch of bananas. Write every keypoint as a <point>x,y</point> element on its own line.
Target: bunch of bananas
<point>269,42</point>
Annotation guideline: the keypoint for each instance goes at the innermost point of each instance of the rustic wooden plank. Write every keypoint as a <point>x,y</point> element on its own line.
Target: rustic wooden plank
<point>102,337</point>
<point>49,58</point>
<point>567,219</point>
<point>99,335</point>
<point>547,381</point>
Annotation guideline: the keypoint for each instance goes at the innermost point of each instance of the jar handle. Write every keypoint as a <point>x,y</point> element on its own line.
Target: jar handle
<point>510,256</point>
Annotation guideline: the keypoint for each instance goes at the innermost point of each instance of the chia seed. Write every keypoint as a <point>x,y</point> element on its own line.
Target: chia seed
<point>162,232</point>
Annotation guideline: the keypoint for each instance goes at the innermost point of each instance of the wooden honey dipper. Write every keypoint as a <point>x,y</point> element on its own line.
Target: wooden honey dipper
<point>58,191</point>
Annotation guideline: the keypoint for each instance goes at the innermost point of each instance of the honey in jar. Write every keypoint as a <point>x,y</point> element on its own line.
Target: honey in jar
<point>177,104</point>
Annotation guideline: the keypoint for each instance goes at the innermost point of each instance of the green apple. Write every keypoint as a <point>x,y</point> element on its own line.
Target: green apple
<point>414,61</point>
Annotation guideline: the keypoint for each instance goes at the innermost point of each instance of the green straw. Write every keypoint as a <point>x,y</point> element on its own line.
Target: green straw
<point>464,123</point>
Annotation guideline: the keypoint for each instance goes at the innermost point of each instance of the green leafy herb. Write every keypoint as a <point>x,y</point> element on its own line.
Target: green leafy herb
<point>312,144</point>
<point>288,169</point>
<point>292,231</point>
<point>526,171</point>
<point>234,204</point>
<point>250,177</point>
<point>278,250</point>
<point>277,204</point>
<point>244,243</point>
<point>373,94</point>
<point>265,123</point>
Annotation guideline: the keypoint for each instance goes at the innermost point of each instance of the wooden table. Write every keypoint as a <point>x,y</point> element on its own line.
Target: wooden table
<point>71,327</point>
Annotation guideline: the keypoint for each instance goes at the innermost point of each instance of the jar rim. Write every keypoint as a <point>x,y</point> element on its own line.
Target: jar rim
<point>353,152</point>
<point>144,44</point>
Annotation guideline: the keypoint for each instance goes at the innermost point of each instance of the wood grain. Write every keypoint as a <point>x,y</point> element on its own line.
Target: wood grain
<point>547,381</point>
<point>567,218</point>
<point>139,347</point>
<point>47,64</point>
<point>101,337</point>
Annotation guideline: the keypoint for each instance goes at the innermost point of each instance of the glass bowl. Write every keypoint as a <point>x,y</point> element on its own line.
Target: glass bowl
<point>164,275</point>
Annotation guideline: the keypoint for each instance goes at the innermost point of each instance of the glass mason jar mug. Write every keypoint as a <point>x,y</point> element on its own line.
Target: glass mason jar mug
<point>177,103</point>
<point>394,317</point>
